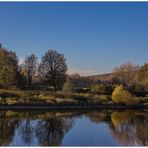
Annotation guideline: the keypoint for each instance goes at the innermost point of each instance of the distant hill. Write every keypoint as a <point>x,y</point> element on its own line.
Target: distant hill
<point>79,81</point>
<point>102,77</point>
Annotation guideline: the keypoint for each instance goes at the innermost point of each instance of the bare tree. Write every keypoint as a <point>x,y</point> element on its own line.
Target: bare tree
<point>142,75</point>
<point>30,67</point>
<point>53,67</point>
<point>126,73</point>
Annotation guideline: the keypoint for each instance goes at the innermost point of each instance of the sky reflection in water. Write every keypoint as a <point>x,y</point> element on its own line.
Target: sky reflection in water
<point>87,128</point>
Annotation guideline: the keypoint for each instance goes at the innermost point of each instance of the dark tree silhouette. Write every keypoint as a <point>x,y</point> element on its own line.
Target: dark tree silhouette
<point>53,67</point>
<point>30,67</point>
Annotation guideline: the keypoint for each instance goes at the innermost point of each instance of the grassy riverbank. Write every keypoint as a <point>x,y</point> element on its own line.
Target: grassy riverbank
<point>38,98</point>
<point>50,97</point>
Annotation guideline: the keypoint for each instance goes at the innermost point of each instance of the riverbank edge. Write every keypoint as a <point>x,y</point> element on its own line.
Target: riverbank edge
<point>49,107</point>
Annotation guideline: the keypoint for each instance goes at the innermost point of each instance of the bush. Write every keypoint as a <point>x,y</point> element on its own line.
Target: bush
<point>120,95</point>
<point>137,90</point>
<point>102,88</point>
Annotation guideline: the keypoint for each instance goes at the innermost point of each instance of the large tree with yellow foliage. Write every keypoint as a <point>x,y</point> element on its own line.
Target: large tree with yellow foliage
<point>8,68</point>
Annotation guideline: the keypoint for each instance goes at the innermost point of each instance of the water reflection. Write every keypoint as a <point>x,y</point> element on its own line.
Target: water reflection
<point>50,128</point>
<point>26,131</point>
<point>48,131</point>
<point>7,130</point>
<point>130,127</point>
<point>99,116</point>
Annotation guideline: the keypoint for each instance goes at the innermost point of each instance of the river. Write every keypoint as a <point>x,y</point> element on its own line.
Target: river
<point>74,128</point>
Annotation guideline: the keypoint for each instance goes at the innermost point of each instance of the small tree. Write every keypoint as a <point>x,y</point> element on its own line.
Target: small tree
<point>30,67</point>
<point>120,95</point>
<point>53,67</point>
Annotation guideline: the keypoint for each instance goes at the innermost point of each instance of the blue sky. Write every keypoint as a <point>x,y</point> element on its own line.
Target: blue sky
<point>94,37</point>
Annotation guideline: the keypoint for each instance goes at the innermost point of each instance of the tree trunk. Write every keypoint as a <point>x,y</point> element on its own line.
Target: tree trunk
<point>54,86</point>
<point>29,81</point>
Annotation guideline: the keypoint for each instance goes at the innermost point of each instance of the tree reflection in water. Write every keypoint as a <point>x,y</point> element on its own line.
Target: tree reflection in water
<point>99,116</point>
<point>48,128</point>
<point>26,131</point>
<point>7,130</point>
<point>50,132</point>
<point>130,127</point>
<point>47,131</point>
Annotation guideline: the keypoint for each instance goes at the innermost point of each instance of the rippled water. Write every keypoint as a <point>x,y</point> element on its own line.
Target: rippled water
<point>74,128</point>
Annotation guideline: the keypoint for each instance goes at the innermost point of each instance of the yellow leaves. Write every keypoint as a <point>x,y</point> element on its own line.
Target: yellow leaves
<point>120,95</point>
<point>8,67</point>
<point>118,118</point>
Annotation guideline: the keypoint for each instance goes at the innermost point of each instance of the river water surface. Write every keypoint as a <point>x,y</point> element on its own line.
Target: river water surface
<point>74,128</point>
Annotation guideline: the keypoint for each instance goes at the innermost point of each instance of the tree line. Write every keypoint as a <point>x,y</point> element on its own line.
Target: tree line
<point>52,68</point>
<point>51,71</point>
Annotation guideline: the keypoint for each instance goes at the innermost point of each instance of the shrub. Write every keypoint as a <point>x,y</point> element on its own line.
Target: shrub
<point>137,90</point>
<point>120,95</point>
<point>102,88</point>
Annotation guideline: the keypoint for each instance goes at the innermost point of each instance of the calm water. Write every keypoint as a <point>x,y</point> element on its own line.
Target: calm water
<point>85,128</point>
